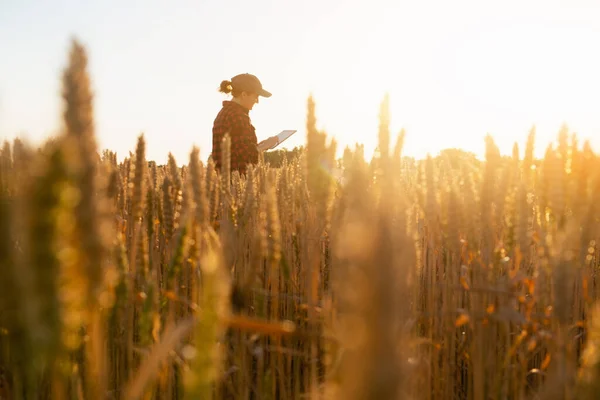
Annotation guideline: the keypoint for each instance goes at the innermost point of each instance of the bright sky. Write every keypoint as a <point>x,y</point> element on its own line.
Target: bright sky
<point>455,70</point>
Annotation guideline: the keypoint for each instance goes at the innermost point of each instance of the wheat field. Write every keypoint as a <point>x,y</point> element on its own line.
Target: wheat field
<point>309,277</point>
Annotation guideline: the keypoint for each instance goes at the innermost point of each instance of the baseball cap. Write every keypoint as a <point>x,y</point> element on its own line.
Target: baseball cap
<point>249,83</point>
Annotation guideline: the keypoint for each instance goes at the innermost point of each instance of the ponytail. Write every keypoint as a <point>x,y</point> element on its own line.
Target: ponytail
<point>226,87</point>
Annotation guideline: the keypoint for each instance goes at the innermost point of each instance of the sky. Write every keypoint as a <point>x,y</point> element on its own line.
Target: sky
<point>454,71</point>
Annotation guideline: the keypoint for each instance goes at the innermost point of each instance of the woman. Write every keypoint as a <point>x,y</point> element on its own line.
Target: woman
<point>234,119</point>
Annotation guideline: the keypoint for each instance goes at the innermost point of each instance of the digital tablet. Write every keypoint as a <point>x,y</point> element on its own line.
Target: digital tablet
<point>283,135</point>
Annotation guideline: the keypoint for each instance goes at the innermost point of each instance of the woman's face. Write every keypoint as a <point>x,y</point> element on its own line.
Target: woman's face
<point>248,100</point>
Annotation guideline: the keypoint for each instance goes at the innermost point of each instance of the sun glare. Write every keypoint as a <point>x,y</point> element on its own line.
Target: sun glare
<point>452,85</point>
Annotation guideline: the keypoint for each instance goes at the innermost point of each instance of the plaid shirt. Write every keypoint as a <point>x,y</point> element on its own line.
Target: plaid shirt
<point>235,120</point>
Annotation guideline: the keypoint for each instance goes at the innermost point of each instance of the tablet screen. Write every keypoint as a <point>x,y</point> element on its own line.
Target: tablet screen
<point>283,135</point>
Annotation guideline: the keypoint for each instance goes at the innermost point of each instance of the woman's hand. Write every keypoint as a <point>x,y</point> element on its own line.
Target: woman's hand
<point>268,143</point>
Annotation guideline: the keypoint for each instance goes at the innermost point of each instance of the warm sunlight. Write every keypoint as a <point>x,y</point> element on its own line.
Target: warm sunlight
<point>459,75</point>
<point>454,71</point>
<point>184,213</point>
